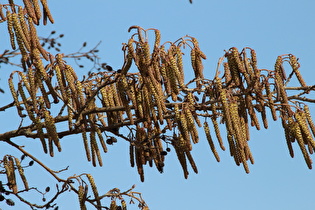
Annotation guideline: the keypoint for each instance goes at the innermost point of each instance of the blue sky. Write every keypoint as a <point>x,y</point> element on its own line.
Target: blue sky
<point>272,28</point>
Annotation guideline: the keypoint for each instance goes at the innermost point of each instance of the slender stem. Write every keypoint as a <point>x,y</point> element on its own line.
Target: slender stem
<point>36,160</point>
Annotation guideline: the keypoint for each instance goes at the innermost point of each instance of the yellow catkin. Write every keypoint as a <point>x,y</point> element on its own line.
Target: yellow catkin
<point>79,89</point>
<point>191,126</point>
<point>173,82</point>
<point>113,205</point>
<point>279,68</point>
<point>122,90</point>
<point>39,64</point>
<point>14,95</point>
<point>10,29</point>
<point>300,117</point>
<point>166,80</point>
<point>44,93</point>
<point>94,189</point>
<point>217,132</point>
<point>198,64</point>
<point>177,142</point>
<point>289,136</point>
<point>35,40</point>
<point>157,93</point>
<point>270,101</point>
<point>148,109</point>
<point>20,37</point>
<point>25,102</point>
<point>174,68</point>
<point>237,59</point>
<point>37,10</point>
<point>10,172</point>
<point>191,161</point>
<point>30,10</point>
<point>299,137</point>
<point>157,38</point>
<point>235,74</point>
<point>71,90</point>
<point>253,62</point>
<point>47,11</point>
<point>183,127</point>
<point>123,205</point>
<point>40,133</point>
<point>309,119</point>
<point>248,154</point>
<point>25,82</point>
<point>21,172</point>
<point>100,137</point>
<point>146,52</point>
<point>139,108</point>
<point>61,83</point>
<point>251,111</point>
<point>239,135</point>
<point>179,61</point>
<point>295,66</point>
<point>193,59</point>
<point>132,94</point>
<point>70,113</point>
<point>86,145</point>
<point>211,144</point>
<point>95,149</point>
<point>243,159</point>
<point>81,196</point>
<point>51,129</point>
<point>24,27</point>
<point>225,106</point>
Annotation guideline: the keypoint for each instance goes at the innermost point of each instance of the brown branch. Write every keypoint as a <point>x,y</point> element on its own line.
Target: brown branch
<point>36,160</point>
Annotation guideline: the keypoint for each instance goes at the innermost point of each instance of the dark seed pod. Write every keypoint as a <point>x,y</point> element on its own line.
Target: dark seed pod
<point>10,202</point>
<point>164,153</point>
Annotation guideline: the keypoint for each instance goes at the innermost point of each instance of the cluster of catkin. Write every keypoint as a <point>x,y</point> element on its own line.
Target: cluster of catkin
<point>156,103</point>
<point>10,164</point>
<point>21,27</point>
<point>244,92</point>
<point>160,78</point>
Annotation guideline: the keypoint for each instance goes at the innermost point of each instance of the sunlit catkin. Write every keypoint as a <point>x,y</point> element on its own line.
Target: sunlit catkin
<point>47,11</point>
<point>95,149</point>
<point>298,135</point>
<point>21,173</point>
<point>10,172</point>
<point>10,29</point>
<point>180,154</point>
<point>191,126</point>
<point>81,196</point>
<point>295,66</point>
<point>210,142</point>
<point>309,119</point>
<point>14,95</point>
<point>30,10</point>
<point>94,189</point>
<point>51,129</point>
<point>191,161</point>
<point>300,117</point>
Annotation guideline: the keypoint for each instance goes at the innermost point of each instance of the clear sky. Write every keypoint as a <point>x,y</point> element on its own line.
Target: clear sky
<point>271,27</point>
